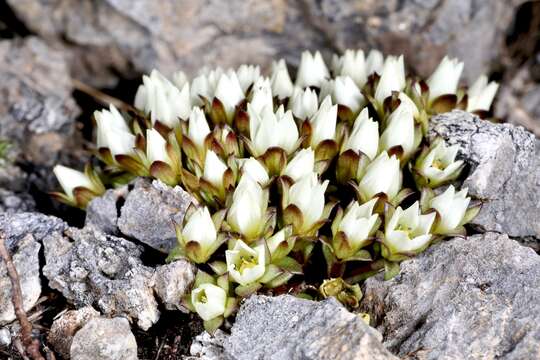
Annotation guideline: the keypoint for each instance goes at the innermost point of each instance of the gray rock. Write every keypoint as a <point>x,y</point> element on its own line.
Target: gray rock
<point>149,212</point>
<point>504,171</point>
<point>12,202</point>
<point>208,347</point>
<point>26,261</point>
<point>173,281</point>
<point>466,298</point>
<point>104,339</point>
<point>17,226</point>
<point>286,327</point>
<point>116,35</point>
<point>91,268</point>
<point>102,212</point>
<point>5,337</point>
<point>64,328</point>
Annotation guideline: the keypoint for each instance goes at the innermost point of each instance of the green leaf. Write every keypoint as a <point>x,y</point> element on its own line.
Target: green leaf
<point>391,269</point>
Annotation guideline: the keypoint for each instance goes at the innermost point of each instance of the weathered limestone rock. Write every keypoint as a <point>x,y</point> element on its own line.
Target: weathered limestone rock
<point>102,212</point>
<point>104,339</point>
<point>504,171</point>
<point>65,327</point>
<point>12,202</point>
<point>286,327</point>
<point>91,268</point>
<point>173,281</point>
<point>472,298</point>
<point>149,212</point>
<point>208,347</point>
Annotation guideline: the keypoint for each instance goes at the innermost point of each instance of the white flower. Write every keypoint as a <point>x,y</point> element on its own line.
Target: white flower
<point>323,123</point>
<point>438,165</point>
<point>408,230</point>
<point>301,165</point>
<point>353,64</point>
<point>261,96</point>
<point>156,147</point>
<point>247,75</point>
<point>70,179</point>
<point>308,195</point>
<point>392,78</point>
<point>271,129</point>
<point>200,228</point>
<point>445,78</point>
<point>400,130</point>
<point>180,79</point>
<point>209,301</point>
<point>408,103</point>
<point>248,209</point>
<point>253,168</point>
<point>214,168</point>
<point>481,94</point>
<point>451,207</point>
<point>113,132</point>
<point>198,128</point>
<point>312,70</point>
<point>383,175</point>
<point>364,136</point>
<point>282,86</point>
<point>374,62</point>
<point>303,103</point>
<point>159,97</point>
<point>246,265</point>
<point>229,92</point>
<point>343,92</point>
<point>358,223</point>
<point>205,85</point>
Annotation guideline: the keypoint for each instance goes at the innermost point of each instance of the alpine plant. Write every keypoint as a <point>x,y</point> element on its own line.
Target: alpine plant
<point>299,183</point>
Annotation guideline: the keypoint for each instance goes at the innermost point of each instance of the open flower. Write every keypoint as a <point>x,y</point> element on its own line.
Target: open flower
<point>247,75</point>
<point>445,78</point>
<point>271,129</point>
<point>352,231</point>
<point>343,91</point>
<point>209,301</point>
<point>246,265</point>
<point>312,70</point>
<point>247,213</point>
<point>113,132</point>
<point>406,232</point>
<point>364,136</point>
<point>198,238</point>
<point>303,103</point>
<point>392,78</point>
<point>382,176</point>
<point>323,123</point>
<point>304,204</point>
<point>400,131</point>
<point>163,101</point>
<point>353,64</point>
<point>282,86</point>
<point>437,165</point>
<point>481,94</point>
<point>451,206</point>
<point>302,164</point>
<point>79,188</point>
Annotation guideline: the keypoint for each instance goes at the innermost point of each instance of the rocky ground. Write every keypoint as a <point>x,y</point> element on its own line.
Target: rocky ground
<point>95,284</point>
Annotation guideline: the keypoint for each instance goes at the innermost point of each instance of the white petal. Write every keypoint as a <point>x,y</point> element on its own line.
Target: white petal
<point>214,168</point>
<point>70,179</point>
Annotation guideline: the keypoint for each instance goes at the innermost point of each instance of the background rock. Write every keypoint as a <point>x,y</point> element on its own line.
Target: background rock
<point>149,212</point>
<point>466,298</point>
<point>104,339</point>
<point>504,171</point>
<point>102,211</point>
<point>173,281</point>
<point>64,328</point>
<point>286,327</point>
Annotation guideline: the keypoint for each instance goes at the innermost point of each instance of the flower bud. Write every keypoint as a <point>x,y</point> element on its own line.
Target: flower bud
<point>282,86</point>
<point>209,301</point>
<point>229,92</point>
<point>247,213</point>
<point>364,136</point>
<point>156,148</point>
<point>323,123</point>
<point>374,62</point>
<point>198,237</point>
<point>180,79</point>
<point>343,91</point>
<point>79,187</point>
<point>481,94</point>
<point>198,128</point>
<point>406,233</point>
<point>392,78</point>
<point>382,176</point>
<point>271,129</point>
<point>254,169</point>
<point>113,132</point>
<point>246,265</point>
<point>214,169</point>
<point>436,165</point>
<point>248,75</point>
<point>303,103</point>
<point>262,96</point>
<point>162,100</point>
<point>451,207</point>
<point>205,85</point>
<point>348,295</point>
<point>400,131</point>
<point>302,164</point>
<point>445,78</point>
<point>352,64</point>
<point>312,70</point>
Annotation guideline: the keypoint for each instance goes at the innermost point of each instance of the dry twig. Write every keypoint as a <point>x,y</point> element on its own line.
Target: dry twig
<point>100,96</point>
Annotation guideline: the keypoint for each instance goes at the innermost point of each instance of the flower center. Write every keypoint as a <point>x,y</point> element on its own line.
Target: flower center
<point>405,228</point>
<point>202,297</point>
<point>438,164</point>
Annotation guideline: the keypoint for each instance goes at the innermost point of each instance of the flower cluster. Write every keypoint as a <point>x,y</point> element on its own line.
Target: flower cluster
<point>329,174</point>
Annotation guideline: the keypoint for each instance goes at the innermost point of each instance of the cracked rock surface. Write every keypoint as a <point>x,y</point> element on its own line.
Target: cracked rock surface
<point>504,172</point>
<point>472,298</point>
